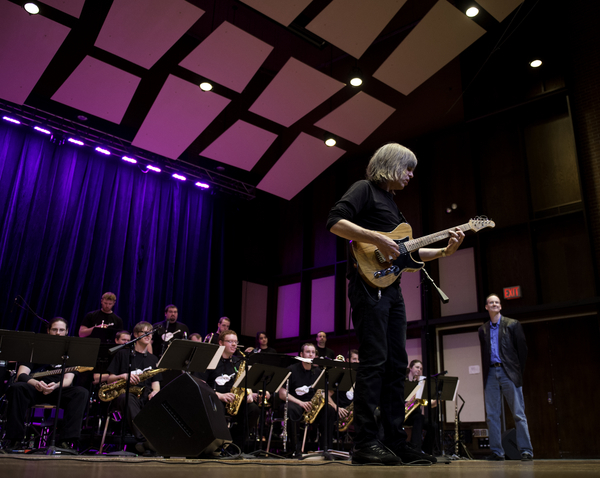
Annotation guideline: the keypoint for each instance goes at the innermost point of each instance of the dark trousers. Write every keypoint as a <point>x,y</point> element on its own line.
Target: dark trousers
<point>134,406</point>
<point>21,396</point>
<point>380,325</point>
<point>295,413</point>
<point>245,420</point>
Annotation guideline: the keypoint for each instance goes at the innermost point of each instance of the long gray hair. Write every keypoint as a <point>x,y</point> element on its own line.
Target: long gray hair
<point>389,162</point>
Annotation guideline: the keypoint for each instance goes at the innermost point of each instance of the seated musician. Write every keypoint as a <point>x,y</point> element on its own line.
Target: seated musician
<point>300,395</point>
<point>261,345</point>
<point>121,337</point>
<point>214,337</point>
<point>142,361</point>
<point>344,398</point>
<point>418,418</point>
<point>28,391</point>
<point>222,378</point>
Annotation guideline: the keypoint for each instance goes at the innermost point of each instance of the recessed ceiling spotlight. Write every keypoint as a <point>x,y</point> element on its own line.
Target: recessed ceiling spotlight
<point>220,168</point>
<point>31,8</point>
<point>472,12</point>
<point>82,117</point>
<point>356,77</point>
<point>206,86</point>
<point>535,63</point>
<point>330,140</point>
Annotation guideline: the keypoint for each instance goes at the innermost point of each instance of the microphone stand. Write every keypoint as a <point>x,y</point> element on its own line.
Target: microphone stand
<point>125,419</point>
<point>426,280</point>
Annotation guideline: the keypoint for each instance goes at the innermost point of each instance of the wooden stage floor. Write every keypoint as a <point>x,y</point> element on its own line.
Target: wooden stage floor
<point>15,466</point>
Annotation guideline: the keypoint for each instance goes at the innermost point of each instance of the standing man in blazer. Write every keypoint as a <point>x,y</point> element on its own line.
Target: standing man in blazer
<point>503,355</point>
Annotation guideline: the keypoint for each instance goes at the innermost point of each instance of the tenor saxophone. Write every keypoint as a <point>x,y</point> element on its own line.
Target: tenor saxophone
<point>110,391</point>
<point>345,424</point>
<point>317,403</point>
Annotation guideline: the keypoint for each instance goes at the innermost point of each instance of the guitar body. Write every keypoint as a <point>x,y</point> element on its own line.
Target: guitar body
<point>373,271</point>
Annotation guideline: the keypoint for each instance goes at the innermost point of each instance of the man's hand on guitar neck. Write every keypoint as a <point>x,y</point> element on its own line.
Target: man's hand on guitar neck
<point>456,239</point>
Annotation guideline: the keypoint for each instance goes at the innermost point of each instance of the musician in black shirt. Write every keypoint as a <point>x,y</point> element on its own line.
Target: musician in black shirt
<point>103,318</point>
<point>28,391</point>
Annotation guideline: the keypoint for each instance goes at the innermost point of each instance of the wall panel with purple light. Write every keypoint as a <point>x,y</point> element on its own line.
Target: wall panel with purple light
<point>288,311</point>
<point>458,281</point>
<point>322,305</point>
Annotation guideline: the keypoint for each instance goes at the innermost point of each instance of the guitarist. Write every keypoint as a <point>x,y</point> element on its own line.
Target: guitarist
<point>28,391</point>
<point>379,315</point>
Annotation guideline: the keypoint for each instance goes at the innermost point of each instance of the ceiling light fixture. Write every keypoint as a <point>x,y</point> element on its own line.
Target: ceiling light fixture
<point>356,78</point>
<point>535,63</point>
<point>472,12</point>
<point>31,8</point>
<point>330,140</point>
<point>41,130</point>
<point>75,141</point>
<point>202,185</point>
<point>102,150</point>
<point>11,120</point>
<point>129,160</point>
<point>153,168</point>
<point>206,86</point>
<point>179,176</point>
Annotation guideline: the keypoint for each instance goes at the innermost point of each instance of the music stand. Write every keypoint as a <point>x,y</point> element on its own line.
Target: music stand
<point>106,335</point>
<point>323,382</point>
<point>190,356</point>
<point>270,379</point>
<point>50,349</point>
<point>445,389</point>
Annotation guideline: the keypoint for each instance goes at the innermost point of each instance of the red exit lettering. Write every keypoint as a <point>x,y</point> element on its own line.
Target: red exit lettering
<point>512,292</point>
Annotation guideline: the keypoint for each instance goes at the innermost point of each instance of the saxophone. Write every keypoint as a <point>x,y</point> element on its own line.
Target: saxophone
<point>345,424</point>
<point>412,402</point>
<point>233,408</point>
<point>317,403</point>
<point>110,391</point>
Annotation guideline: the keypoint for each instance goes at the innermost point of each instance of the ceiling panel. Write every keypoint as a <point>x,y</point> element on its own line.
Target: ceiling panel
<point>241,146</point>
<point>295,91</point>
<point>72,7</point>
<point>27,45</point>
<point>179,114</point>
<point>303,161</point>
<point>357,118</point>
<point>229,56</point>
<point>99,89</point>
<point>499,9</point>
<point>282,11</point>
<point>352,25</point>
<point>142,31</point>
<point>436,40</point>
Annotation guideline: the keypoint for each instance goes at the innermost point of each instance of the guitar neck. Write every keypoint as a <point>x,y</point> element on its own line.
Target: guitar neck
<point>54,372</point>
<point>414,244</point>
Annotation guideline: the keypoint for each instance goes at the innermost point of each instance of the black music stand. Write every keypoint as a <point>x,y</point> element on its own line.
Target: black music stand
<point>445,390</point>
<point>190,356</point>
<point>323,382</point>
<point>50,349</point>
<point>270,379</point>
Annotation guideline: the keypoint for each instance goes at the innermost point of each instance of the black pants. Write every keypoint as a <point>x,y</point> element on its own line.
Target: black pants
<point>134,406</point>
<point>21,396</point>
<point>245,420</point>
<point>380,324</point>
<point>295,413</point>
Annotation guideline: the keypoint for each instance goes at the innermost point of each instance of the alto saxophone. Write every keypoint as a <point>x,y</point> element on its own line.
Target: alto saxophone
<point>316,403</point>
<point>233,407</point>
<point>110,391</point>
<point>345,424</point>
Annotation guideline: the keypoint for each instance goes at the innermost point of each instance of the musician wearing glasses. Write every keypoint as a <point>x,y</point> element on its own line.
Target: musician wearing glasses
<point>103,318</point>
<point>366,214</point>
<point>222,378</point>
<point>28,391</point>
<point>503,357</point>
<point>144,376</point>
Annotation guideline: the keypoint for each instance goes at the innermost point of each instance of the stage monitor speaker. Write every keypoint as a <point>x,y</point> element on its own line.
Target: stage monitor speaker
<point>509,443</point>
<point>184,419</point>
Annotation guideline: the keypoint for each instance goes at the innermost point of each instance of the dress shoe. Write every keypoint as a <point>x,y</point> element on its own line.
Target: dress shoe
<point>375,454</point>
<point>494,457</point>
<point>526,457</point>
<point>409,454</point>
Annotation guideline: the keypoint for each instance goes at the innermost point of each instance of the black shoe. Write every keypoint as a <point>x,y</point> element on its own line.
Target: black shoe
<point>69,447</point>
<point>409,455</point>
<point>375,454</point>
<point>494,457</point>
<point>526,457</point>
<point>145,449</point>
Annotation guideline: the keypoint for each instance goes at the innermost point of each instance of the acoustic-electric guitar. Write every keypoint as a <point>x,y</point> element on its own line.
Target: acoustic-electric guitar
<point>379,272</point>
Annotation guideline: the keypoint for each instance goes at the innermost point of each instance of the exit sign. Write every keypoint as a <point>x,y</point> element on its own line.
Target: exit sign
<point>512,292</point>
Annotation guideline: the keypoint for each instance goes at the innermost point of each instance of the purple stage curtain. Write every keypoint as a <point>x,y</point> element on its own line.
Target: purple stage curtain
<point>76,223</point>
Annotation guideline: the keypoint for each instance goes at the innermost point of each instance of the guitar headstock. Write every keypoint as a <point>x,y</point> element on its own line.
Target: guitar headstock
<point>481,222</point>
